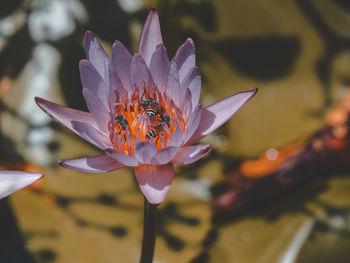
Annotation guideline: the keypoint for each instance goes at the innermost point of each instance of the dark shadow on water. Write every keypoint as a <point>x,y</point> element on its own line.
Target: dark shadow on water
<point>169,213</point>
<point>268,203</point>
<point>344,4</point>
<point>334,43</point>
<point>46,255</point>
<point>12,246</point>
<point>118,231</point>
<point>209,240</point>
<point>171,14</point>
<point>263,58</point>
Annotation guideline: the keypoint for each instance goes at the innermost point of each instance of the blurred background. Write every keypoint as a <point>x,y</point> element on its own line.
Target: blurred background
<point>274,189</point>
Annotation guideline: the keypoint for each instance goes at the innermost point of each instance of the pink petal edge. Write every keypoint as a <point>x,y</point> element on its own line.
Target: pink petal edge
<point>154,181</point>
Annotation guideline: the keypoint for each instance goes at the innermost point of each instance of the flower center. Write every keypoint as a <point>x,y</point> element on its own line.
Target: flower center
<point>144,117</point>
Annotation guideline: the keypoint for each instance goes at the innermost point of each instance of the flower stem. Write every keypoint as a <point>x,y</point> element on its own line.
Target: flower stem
<point>149,232</point>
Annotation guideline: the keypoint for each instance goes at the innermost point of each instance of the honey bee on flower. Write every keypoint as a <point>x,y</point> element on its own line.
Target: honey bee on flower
<point>144,110</point>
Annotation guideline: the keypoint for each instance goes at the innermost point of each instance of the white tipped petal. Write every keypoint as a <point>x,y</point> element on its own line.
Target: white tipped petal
<point>11,181</point>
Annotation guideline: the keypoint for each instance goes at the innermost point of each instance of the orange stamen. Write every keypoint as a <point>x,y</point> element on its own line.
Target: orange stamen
<point>137,125</point>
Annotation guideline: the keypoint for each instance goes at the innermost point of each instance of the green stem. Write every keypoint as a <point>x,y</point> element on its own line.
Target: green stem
<point>149,232</point>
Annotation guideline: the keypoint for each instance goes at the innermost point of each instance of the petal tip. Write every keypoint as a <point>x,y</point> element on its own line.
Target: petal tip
<point>88,34</point>
<point>152,14</point>
<point>83,62</point>
<point>38,100</point>
<point>37,176</point>
<point>253,92</point>
<point>61,162</point>
<point>116,43</point>
<point>65,164</point>
<point>42,103</point>
<point>190,42</point>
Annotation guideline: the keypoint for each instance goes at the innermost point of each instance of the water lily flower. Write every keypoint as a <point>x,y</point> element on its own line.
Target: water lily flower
<point>11,181</point>
<point>144,110</point>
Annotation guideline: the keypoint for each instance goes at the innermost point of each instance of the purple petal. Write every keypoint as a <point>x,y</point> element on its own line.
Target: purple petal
<point>65,115</point>
<point>11,181</point>
<point>95,164</point>
<point>95,93</point>
<point>187,105</point>
<point>122,158</point>
<point>144,151</point>
<point>112,81</point>
<point>120,60</point>
<point>185,58</point>
<point>165,155</point>
<point>218,113</point>
<point>176,138</point>
<point>92,135</point>
<point>97,109</point>
<point>154,181</point>
<point>159,67</point>
<point>151,37</point>
<point>173,84</point>
<point>193,123</point>
<point>92,80</point>
<point>139,74</point>
<point>95,53</point>
<point>116,89</point>
<point>193,82</point>
<point>191,154</point>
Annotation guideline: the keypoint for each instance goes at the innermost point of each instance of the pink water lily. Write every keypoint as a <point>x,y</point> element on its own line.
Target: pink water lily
<point>11,181</point>
<point>144,110</point>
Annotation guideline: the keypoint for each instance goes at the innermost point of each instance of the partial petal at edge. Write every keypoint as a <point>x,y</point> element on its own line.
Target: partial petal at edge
<point>11,181</point>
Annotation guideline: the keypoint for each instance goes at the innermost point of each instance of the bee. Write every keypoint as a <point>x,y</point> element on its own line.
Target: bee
<point>165,118</point>
<point>122,122</point>
<point>154,132</point>
<point>151,107</point>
